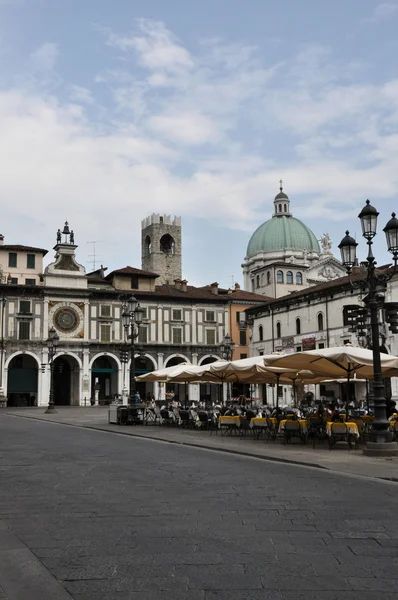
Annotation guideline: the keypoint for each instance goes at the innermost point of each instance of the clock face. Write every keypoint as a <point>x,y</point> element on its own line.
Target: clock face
<point>66,319</point>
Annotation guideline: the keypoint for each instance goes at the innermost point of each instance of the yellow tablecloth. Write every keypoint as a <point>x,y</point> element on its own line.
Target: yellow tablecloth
<point>258,422</point>
<point>229,420</point>
<point>352,428</point>
<point>303,425</point>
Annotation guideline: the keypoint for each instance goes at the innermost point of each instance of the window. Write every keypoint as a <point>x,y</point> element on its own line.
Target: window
<point>298,348</point>
<point>30,261</point>
<point>145,313</point>
<point>253,285</point>
<point>210,315</point>
<point>321,346</point>
<point>14,280</point>
<point>280,208</point>
<point>279,276</point>
<point>299,278</point>
<point>12,259</point>
<point>176,314</point>
<point>143,335</point>
<point>24,307</point>
<point>284,207</point>
<point>242,338</point>
<point>346,342</point>
<point>211,337</point>
<point>243,356</point>
<point>298,326</point>
<point>320,322</point>
<point>105,310</point>
<point>350,315</point>
<point>268,277</point>
<point>105,332</point>
<point>289,277</point>
<point>260,333</point>
<point>258,281</point>
<point>30,281</point>
<point>24,330</point>
<point>278,329</point>
<point>177,335</point>
<point>261,353</point>
<point>262,279</point>
<point>134,282</point>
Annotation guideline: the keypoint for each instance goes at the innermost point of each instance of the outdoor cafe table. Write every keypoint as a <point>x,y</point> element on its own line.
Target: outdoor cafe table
<point>303,425</point>
<point>352,428</point>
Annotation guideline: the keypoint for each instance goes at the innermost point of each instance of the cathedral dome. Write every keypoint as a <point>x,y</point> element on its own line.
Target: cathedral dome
<point>282,232</point>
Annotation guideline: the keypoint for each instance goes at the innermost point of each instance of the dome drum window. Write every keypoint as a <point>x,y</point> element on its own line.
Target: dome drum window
<point>279,277</point>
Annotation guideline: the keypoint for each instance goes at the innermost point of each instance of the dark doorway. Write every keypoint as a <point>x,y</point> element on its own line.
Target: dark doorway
<point>66,381</point>
<point>104,372</point>
<point>22,381</point>
<point>145,388</point>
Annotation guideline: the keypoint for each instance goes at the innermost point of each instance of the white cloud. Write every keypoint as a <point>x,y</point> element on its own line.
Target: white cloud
<point>194,133</point>
<point>384,10</point>
<point>45,57</point>
<point>81,94</point>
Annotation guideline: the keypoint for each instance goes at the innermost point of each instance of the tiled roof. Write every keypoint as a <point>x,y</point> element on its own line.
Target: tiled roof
<point>19,248</point>
<point>132,271</point>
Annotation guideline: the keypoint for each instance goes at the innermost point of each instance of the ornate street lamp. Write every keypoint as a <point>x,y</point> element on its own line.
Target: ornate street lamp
<point>375,285</point>
<point>52,344</point>
<point>3,301</point>
<point>132,317</point>
<point>227,347</point>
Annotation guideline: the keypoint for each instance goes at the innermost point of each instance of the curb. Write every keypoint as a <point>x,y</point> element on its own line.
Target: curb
<point>213,449</point>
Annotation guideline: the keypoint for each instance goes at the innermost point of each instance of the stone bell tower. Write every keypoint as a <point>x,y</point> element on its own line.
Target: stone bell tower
<point>161,247</point>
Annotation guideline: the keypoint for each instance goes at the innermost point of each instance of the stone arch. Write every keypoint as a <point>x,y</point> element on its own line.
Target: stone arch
<point>171,358</point>
<point>71,354</point>
<point>205,360</point>
<point>109,354</point>
<point>144,363</point>
<point>14,354</point>
<point>148,245</point>
<point>167,244</point>
<point>22,379</point>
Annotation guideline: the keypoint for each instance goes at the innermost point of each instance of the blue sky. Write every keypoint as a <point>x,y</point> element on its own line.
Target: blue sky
<point>110,111</point>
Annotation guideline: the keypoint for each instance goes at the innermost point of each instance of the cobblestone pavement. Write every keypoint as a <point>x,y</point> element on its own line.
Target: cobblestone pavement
<point>113,517</point>
<point>341,459</point>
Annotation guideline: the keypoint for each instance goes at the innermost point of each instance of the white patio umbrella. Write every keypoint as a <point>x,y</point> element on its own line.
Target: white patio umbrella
<point>340,362</point>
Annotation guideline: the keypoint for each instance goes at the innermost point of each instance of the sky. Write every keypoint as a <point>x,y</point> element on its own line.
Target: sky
<point>111,110</point>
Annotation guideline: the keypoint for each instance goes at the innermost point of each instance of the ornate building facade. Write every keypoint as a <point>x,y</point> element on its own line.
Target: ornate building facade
<point>284,255</point>
<point>182,323</point>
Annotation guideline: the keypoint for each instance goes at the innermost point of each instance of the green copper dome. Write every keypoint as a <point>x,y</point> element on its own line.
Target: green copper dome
<point>280,233</point>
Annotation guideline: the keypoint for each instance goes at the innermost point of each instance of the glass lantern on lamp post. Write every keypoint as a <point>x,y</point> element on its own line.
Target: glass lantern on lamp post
<point>227,347</point>
<point>52,344</point>
<point>375,285</point>
<point>132,317</point>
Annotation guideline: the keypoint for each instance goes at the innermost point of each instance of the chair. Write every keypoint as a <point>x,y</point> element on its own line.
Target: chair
<point>244,428</point>
<point>339,432</point>
<point>167,419</point>
<point>186,419</point>
<point>270,430</point>
<point>395,430</point>
<point>316,430</point>
<point>203,419</point>
<point>292,429</point>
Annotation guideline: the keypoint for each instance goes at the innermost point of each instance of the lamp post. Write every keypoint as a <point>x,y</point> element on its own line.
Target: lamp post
<point>3,398</point>
<point>132,316</point>
<point>375,285</point>
<point>52,344</point>
<point>227,349</point>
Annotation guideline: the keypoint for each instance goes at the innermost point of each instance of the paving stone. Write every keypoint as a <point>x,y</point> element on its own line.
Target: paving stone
<point>179,523</point>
